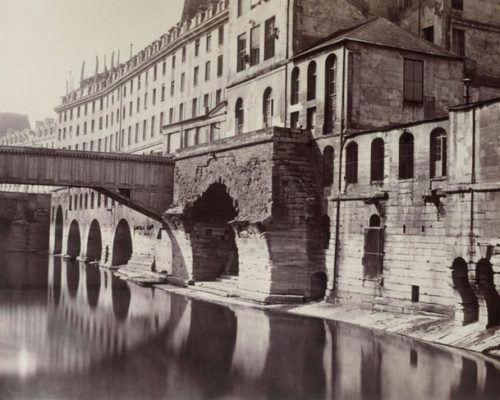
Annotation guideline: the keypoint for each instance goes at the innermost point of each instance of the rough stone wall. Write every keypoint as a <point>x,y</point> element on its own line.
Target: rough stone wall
<point>272,181</point>
<point>24,222</point>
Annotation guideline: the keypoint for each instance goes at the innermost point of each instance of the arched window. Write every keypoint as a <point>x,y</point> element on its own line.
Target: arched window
<point>81,201</point>
<point>70,202</point>
<point>311,81</point>
<point>239,116</point>
<point>406,150</point>
<point>92,200</point>
<point>76,201</point>
<point>374,221</point>
<point>268,107</point>
<point>295,86</point>
<point>438,153</point>
<point>377,160</point>
<point>351,173</point>
<point>328,166</point>
<point>330,92</point>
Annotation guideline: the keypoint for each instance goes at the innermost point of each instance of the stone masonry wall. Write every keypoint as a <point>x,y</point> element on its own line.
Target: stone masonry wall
<point>24,222</point>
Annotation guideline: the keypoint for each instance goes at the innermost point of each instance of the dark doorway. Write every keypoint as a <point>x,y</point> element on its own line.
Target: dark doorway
<point>318,286</point>
<point>461,283</point>
<point>486,283</point>
<point>214,245</point>
<point>58,235</point>
<point>122,244</point>
<point>74,240</point>
<point>94,242</point>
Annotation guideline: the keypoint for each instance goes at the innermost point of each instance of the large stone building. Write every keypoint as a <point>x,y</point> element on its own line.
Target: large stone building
<point>313,149</point>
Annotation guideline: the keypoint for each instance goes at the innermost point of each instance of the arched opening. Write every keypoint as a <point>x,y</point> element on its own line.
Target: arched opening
<point>58,235</point>
<point>75,201</point>
<point>438,156</point>
<point>461,284</point>
<point>328,166</point>
<point>486,283</point>
<point>74,240</point>
<point>295,85</point>
<point>330,92</point>
<point>214,245</point>
<point>377,160</point>
<point>239,116</point>
<point>93,283</point>
<point>311,81</point>
<point>325,231</point>
<point>121,296</point>
<point>122,244</point>
<point>351,173</point>
<point>72,278</point>
<point>374,221</point>
<point>268,107</point>
<point>318,285</point>
<point>406,155</point>
<point>94,242</point>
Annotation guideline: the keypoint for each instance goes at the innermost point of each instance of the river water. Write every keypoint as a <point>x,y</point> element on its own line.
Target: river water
<point>74,331</point>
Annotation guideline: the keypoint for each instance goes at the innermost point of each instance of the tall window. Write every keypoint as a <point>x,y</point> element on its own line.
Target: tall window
<point>269,44</point>
<point>458,41</point>
<point>311,118</point>
<point>413,81</point>
<point>295,85</point>
<point>220,65</point>
<point>255,45</point>
<point>194,107</point>
<point>221,35</point>
<point>330,92</point>
<point>351,173</point>
<point>239,116</point>
<point>242,52</point>
<point>268,107</point>
<point>377,160</point>
<point>328,166</point>
<point>208,46</point>
<point>207,71</point>
<point>438,153</point>
<point>240,8</point>
<point>197,47</point>
<point>406,149</point>
<point>311,81</point>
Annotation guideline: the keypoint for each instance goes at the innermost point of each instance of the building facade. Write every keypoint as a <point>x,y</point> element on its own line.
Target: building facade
<point>313,148</point>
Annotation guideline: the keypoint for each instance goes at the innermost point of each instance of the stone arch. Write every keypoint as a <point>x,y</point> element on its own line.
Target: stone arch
<point>318,285</point>
<point>486,284</point>
<point>461,284</point>
<point>58,234</point>
<point>122,244</point>
<point>213,239</point>
<point>94,242</point>
<point>74,240</point>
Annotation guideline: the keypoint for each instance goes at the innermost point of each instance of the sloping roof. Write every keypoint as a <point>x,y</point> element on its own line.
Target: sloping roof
<point>382,32</point>
<point>191,7</point>
<point>13,121</point>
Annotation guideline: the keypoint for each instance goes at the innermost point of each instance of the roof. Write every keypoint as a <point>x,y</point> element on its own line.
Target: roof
<point>13,121</point>
<point>191,8</point>
<point>381,32</point>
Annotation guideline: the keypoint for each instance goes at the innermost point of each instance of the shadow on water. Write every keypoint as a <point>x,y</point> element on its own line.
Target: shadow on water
<point>70,330</point>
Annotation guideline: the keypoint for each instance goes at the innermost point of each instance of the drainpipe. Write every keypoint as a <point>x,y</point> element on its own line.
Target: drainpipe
<point>287,56</point>
<point>472,181</point>
<point>341,151</point>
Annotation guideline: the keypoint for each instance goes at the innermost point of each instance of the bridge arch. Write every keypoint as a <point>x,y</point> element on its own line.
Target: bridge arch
<point>213,242</point>
<point>74,240</point>
<point>58,233</point>
<point>122,244</point>
<point>461,284</point>
<point>94,242</point>
<point>486,284</point>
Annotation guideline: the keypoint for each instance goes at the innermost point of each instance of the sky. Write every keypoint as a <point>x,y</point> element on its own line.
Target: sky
<point>41,41</point>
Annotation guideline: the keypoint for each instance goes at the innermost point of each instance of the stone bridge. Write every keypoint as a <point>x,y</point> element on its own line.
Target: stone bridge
<point>247,208</point>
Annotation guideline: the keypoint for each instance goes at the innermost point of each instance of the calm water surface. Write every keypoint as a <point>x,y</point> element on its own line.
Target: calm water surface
<point>73,331</point>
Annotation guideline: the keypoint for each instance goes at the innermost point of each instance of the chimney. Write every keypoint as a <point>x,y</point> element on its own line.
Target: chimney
<point>191,7</point>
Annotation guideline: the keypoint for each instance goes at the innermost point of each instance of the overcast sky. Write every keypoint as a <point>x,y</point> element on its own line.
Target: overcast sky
<point>41,41</point>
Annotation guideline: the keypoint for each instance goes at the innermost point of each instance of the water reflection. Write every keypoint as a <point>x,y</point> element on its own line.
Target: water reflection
<point>69,330</point>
